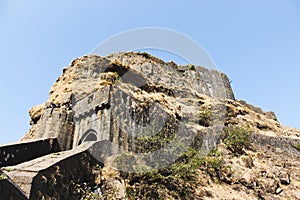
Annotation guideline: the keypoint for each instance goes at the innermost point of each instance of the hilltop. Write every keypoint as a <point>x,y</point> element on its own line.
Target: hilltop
<point>134,104</point>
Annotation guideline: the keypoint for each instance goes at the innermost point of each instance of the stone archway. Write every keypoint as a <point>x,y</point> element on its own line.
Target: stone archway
<point>89,135</point>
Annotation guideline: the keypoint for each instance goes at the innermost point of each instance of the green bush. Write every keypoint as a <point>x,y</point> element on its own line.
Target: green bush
<point>8,169</point>
<point>205,118</point>
<point>297,146</point>
<point>3,177</point>
<point>145,54</point>
<point>124,162</point>
<point>178,178</point>
<point>237,139</point>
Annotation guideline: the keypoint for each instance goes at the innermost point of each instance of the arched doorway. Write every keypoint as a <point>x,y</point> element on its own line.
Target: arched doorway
<point>89,135</point>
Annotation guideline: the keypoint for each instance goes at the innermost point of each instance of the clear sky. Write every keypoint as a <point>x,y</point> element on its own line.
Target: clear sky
<point>256,43</point>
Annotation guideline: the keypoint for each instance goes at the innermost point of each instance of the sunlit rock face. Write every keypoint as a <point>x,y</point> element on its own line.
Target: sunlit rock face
<point>141,76</point>
<point>122,106</point>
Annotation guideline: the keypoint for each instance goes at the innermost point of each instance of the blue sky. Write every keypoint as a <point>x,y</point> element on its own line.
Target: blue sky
<point>257,43</point>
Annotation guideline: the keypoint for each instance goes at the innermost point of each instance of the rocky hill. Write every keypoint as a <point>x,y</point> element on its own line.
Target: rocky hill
<point>131,126</point>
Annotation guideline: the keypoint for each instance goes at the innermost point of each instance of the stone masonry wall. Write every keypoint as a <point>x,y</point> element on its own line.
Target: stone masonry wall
<point>92,116</point>
<point>16,153</point>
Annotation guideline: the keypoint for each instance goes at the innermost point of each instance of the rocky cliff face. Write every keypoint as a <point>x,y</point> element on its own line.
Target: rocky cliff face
<point>142,76</point>
<point>137,105</point>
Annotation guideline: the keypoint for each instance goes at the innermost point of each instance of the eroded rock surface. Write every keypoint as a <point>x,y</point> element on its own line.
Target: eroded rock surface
<point>136,104</point>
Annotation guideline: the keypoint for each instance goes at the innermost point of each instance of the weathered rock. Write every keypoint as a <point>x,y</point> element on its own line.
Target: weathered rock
<point>271,115</point>
<point>35,114</point>
<point>284,178</point>
<point>278,191</point>
<point>93,73</point>
<point>297,195</point>
<point>247,161</point>
<point>113,185</point>
<point>134,103</point>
